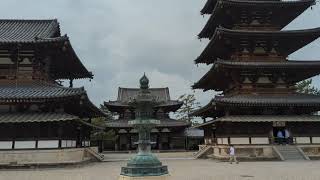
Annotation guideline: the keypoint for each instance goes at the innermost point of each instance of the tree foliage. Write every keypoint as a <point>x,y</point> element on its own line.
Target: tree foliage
<point>189,105</point>
<point>306,86</point>
<point>101,121</point>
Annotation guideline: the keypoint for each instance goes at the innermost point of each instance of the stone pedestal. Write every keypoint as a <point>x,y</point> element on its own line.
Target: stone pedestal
<point>164,177</point>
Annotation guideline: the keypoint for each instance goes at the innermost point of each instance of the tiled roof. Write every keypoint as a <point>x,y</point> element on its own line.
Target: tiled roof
<point>121,123</point>
<point>288,41</point>
<point>28,31</point>
<point>46,35</point>
<point>262,118</point>
<point>218,79</point>
<point>35,117</point>
<point>208,7</point>
<point>128,94</point>
<point>269,100</point>
<point>36,91</point>
<point>219,16</point>
<point>160,95</point>
<point>270,118</point>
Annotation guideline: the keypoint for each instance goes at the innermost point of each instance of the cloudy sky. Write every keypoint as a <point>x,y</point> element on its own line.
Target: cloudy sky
<point>118,40</point>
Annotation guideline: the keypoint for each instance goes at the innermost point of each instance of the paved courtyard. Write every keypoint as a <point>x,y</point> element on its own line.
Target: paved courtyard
<point>180,169</point>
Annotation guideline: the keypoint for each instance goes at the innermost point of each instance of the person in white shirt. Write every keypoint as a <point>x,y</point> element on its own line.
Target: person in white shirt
<point>232,155</point>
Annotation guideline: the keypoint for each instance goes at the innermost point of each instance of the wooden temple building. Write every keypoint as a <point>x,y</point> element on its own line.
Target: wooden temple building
<point>36,111</point>
<point>248,53</point>
<point>169,134</point>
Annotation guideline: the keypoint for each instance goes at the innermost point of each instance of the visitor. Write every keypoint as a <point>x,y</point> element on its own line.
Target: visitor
<point>287,136</point>
<point>232,155</point>
<point>280,137</point>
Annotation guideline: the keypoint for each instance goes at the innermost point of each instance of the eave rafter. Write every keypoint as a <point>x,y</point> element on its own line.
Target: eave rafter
<point>227,43</point>
<point>235,14</point>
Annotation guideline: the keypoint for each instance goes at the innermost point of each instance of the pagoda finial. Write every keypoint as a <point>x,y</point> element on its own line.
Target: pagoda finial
<point>144,82</point>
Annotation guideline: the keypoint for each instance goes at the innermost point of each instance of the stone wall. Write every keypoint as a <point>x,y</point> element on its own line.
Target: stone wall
<point>312,151</point>
<point>246,152</point>
<point>50,156</point>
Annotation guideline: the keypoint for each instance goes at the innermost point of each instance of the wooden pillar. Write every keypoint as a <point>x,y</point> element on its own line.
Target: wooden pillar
<point>116,143</point>
<point>159,140</point>
<point>128,139</point>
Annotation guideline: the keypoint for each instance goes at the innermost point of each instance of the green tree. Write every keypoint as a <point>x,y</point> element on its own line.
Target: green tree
<point>105,110</point>
<point>189,105</point>
<point>306,86</point>
<point>101,121</point>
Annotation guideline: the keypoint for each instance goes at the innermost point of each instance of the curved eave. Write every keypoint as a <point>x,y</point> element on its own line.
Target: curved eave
<point>209,80</point>
<point>170,106</point>
<point>65,63</point>
<point>209,110</point>
<point>116,106</point>
<point>300,70</point>
<point>276,100</point>
<point>92,110</point>
<point>208,7</point>
<point>289,41</point>
<point>219,16</point>
<point>206,124</point>
<point>164,123</point>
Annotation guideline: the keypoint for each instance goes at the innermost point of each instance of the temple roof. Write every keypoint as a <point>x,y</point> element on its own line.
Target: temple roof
<point>36,92</point>
<point>127,95</point>
<point>227,13</point>
<point>35,117</point>
<point>44,36</point>
<point>278,100</point>
<point>208,7</point>
<point>211,4</point>
<point>122,123</point>
<point>219,76</point>
<point>206,111</point>
<point>225,41</point>
<point>28,31</point>
<point>263,118</point>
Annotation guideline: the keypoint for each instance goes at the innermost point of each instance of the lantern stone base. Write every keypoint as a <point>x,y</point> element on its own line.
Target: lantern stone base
<point>163,177</point>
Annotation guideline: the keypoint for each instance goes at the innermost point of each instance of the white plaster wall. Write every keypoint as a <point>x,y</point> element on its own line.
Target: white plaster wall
<point>48,144</point>
<point>316,140</point>
<point>222,140</point>
<point>303,140</point>
<point>42,156</point>
<point>260,140</point>
<point>24,144</point>
<point>244,140</point>
<point>5,144</point>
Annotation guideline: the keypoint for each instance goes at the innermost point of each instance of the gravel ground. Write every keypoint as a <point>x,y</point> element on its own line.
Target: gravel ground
<point>180,169</point>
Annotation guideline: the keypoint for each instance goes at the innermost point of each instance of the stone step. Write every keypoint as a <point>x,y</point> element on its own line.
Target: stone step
<point>290,152</point>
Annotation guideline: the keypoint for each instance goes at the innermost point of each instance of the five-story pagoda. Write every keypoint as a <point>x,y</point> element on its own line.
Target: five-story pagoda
<point>249,53</point>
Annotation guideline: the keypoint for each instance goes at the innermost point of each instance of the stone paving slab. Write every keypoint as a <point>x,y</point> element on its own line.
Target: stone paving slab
<point>180,170</point>
<point>161,156</point>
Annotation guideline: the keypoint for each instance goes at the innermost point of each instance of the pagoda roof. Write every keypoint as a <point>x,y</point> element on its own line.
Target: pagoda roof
<point>44,36</point>
<point>206,111</point>
<point>289,41</point>
<point>208,7</point>
<point>228,12</point>
<point>127,95</point>
<point>123,123</point>
<point>35,117</point>
<point>262,118</point>
<point>36,91</point>
<point>261,100</point>
<point>218,77</point>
